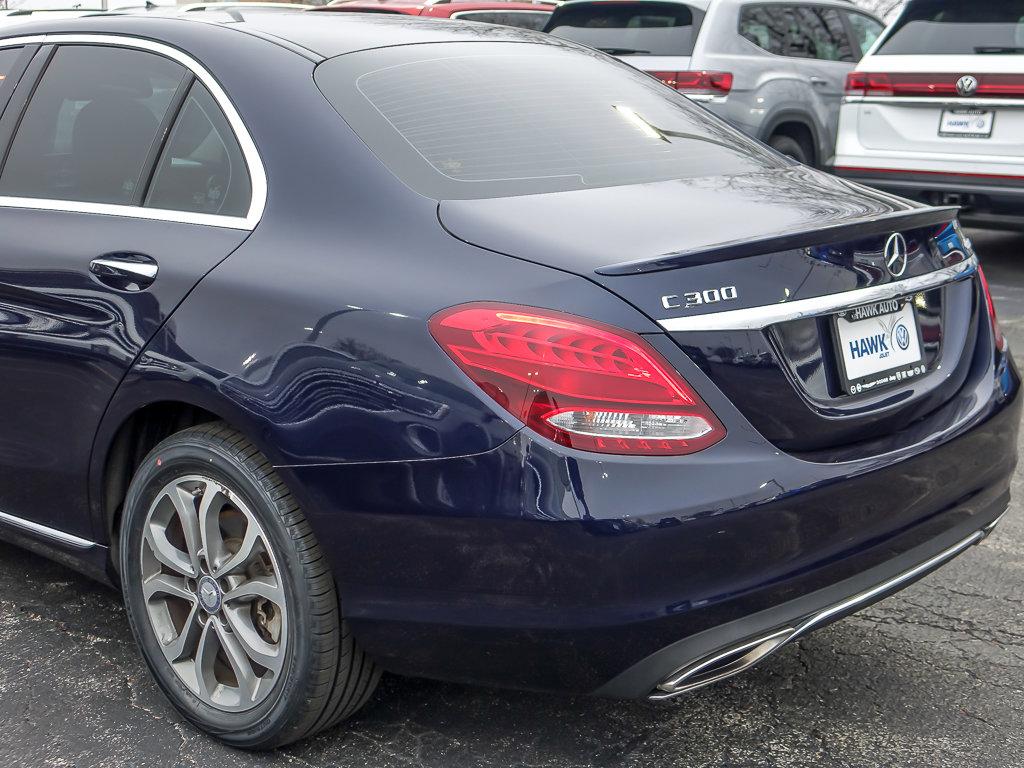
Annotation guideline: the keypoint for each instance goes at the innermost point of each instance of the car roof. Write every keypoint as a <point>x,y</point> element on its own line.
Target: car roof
<point>324,35</point>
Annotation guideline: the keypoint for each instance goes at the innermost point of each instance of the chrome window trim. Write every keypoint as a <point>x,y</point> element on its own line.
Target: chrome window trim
<point>759,318</point>
<point>257,173</point>
<point>46,532</point>
<point>937,101</point>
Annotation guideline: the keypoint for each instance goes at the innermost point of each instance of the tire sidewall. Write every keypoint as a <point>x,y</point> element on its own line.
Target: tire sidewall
<point>175,458</point>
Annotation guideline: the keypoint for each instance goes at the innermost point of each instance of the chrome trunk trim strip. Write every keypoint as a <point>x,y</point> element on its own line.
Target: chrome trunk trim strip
<point>758,318</point>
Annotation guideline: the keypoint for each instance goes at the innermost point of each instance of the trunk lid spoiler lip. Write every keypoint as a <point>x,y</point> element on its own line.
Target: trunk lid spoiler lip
<point>826,235</point>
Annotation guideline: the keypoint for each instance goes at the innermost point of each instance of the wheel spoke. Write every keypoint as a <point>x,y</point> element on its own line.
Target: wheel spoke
<point>167,584</point>
<point>239,661</point>
<point>184,505</point>
<point>167,553</point>
<point>241,557</point>
<point>205,661</point>
<point>263,586</point>
<point>254,646</point>
<point>210,505</point>
<point>184,645</point>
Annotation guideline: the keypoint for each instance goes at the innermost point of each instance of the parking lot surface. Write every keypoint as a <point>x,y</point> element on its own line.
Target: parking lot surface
<point>931,677</point>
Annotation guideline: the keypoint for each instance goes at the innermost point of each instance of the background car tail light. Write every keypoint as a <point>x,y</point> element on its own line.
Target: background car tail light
<point>997,332</point>
<point>937,84</point>
<point>708,83</point>
<point>580,383</point>
<point>868,84</point>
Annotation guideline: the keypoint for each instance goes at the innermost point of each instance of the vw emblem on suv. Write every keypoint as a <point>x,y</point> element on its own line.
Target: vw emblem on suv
<point>967,85</point>
<point>896,253</point>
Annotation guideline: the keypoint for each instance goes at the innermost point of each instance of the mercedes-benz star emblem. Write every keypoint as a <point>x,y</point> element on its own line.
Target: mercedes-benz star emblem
<point>209,594</point>
<point>896,253</point>
<point>967,85</point>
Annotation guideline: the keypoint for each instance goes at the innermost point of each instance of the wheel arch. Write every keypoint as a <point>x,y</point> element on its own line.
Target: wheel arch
<point>799,126</point>
<point>131,428</point>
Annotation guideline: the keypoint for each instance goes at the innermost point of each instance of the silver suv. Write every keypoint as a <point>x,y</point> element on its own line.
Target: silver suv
<point>776,70</point>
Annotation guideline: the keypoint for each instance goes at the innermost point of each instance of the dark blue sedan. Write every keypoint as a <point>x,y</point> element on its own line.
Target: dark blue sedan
<point>350,343</point>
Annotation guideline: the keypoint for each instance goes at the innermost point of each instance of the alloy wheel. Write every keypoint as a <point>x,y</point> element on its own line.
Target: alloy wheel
<point>214,594</point>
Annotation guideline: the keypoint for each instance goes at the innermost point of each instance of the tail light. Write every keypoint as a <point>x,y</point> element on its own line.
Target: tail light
<point>940,84</point>
<point>707,83</point>
<point>868,84</point>
<point>580,383</point>
<point>997,332</point>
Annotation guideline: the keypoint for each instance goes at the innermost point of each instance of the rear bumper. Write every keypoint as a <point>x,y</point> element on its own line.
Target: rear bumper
<point>985,200</point>
<point>535,567</point>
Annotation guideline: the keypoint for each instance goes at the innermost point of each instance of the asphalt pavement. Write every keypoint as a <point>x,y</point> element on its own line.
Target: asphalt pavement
<point>933,676</point>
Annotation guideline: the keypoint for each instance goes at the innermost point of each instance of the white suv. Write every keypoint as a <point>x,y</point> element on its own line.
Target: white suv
<point>935,111</point>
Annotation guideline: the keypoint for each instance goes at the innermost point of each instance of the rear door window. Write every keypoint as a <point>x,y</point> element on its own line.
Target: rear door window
<point>630,29</point>
<point>802,32</point>
<point>87,133</point>
<point>563,119</point>
<point>865,31</point>
<point>522,19</point>
<point>958,27</point>
<point>201,168</point>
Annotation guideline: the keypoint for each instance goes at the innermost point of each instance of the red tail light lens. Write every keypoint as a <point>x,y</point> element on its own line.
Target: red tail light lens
<point>939,84</point>
<point>708,83</point>
<point>997,332</point>
<point>868,84</point>
<point>580,383</point>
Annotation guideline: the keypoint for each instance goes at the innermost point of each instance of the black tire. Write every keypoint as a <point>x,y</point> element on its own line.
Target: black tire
<point>790,147</point>
<point>325,677</point>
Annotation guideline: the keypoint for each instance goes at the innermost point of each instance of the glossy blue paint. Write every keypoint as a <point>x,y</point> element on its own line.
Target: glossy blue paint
<point>465,546</point>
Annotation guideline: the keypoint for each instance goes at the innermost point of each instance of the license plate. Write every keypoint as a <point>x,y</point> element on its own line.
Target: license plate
<point>970,123</point>
<point>879,345</point>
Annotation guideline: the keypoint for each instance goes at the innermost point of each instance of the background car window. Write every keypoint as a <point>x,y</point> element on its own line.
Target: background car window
<point>564,119</point>
<point>803,32</point>
<point>865,31</point>
<point>622,29</point>
<point>958,27</point>
<point>202,168</point>
<point>521,19</point>
<point>90,125</point>
<point>8,58</point>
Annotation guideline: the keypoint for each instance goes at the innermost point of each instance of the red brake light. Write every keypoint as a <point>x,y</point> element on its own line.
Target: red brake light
<point>709,83</point>
<point>997,332</point>
<point>580,383</point>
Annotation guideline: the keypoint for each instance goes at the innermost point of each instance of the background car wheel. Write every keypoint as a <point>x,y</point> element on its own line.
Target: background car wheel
<point>790,147</point>
<point>230,598</point>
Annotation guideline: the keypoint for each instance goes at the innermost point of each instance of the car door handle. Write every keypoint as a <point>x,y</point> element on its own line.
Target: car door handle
<point>820,82</point>
<point>125,271</point>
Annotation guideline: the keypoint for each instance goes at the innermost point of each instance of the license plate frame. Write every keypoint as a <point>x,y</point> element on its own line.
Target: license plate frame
<point>980,127</point>
<point>875,316</point>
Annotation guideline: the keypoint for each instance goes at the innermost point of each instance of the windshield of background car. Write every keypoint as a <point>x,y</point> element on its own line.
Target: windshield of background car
<point>476,120</point>
<point>954,27</point>
<point>630,29</point>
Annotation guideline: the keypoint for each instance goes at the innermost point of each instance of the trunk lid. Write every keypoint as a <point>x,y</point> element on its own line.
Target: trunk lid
<point>747,244</point>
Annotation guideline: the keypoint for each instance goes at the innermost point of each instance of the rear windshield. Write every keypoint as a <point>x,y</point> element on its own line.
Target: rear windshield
<point>523,19</point>
<point>475,120</point>
<point>630,29</point>
<point>992,27</point>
